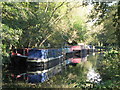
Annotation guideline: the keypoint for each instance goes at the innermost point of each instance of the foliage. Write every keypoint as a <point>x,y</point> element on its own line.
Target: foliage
<point>40,25</point>
<point>52,25</point>
<point>35,24</point>
<point>109,69</point>
<point>105,16</point>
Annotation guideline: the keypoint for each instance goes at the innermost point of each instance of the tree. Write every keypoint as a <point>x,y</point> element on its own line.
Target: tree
<point>104,14</point>
<point>34,24</point>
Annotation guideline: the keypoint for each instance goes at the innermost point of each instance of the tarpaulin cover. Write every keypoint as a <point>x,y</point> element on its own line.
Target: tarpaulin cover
<point>54,52</point>
<point>34,53</point>
<point>59,51</point>
<point>50,54</point>
<point>44,53</point>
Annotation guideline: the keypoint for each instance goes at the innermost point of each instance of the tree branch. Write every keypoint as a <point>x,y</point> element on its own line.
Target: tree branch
<point>58,18</point>
<point>47,7</point>
<point>46,38</point>
<point>55,9</point>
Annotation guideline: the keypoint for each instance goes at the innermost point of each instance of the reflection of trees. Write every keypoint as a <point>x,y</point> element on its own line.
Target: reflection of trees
<point>90,69</point>
<point>91,62</point>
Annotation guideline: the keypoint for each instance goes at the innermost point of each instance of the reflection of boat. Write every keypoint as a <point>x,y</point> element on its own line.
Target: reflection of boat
<point>75,60</point>
<point>37,64</point>
<point>77,54</point>
<point>46,62</point>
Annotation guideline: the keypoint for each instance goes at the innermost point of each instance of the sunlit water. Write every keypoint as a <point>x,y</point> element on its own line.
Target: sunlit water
<point>93,76</point>
<point>91,65</point>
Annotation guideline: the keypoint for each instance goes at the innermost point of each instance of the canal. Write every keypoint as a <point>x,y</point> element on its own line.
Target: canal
<point>85,74</point>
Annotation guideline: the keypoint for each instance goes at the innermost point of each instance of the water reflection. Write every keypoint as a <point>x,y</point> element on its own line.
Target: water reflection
<point>87,68</point>
<point>89,63</point>
<point>93,76</point>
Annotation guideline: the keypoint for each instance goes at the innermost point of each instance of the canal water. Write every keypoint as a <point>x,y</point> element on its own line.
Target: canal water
<point>92,65</point>
<point>78,75</point>
<point>73,75</point>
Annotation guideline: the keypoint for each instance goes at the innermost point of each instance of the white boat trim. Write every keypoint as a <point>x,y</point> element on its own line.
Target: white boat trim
<point>44,60</point>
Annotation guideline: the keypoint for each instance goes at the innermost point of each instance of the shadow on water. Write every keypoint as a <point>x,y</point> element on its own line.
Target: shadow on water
<point>78,75</point>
